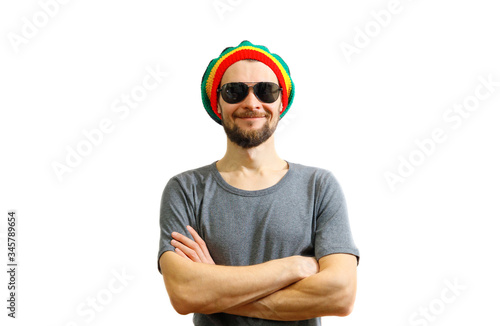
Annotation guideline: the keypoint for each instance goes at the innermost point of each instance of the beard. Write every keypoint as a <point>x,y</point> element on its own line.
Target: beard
<point>249,138</point>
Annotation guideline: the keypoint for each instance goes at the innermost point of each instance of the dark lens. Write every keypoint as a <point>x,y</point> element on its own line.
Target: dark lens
<point>267,92</point>
<point>234,92</point>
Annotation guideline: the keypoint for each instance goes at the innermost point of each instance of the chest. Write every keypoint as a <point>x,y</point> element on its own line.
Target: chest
<point>249,230</point>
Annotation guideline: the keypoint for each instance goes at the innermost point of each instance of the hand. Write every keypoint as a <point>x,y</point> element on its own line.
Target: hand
<point>195,251</point>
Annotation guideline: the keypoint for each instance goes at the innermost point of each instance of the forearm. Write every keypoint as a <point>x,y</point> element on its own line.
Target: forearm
<point>324,294</point>
<point>203,288</point>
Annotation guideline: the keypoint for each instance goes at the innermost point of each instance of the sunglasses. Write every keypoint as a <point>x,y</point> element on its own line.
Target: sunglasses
<point>265,92</point>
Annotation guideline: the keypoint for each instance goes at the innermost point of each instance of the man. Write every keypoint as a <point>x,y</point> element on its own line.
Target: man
<point>253,239</point>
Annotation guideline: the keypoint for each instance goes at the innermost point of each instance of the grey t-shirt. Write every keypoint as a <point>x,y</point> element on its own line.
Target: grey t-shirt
<point>304,214</point>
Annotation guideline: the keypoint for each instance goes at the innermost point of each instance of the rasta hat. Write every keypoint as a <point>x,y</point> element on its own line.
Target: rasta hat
<point>246,50</point>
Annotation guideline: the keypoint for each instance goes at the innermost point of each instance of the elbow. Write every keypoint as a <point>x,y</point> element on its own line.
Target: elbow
<point>185,303</point>
<point>344,306</point>
<point>180,307</point>
<point>179,298</point>
<point>342,300</point>
<point>180,304</point>
<point>183,293</point>
<point>183,307</point>
<point>344,310</point>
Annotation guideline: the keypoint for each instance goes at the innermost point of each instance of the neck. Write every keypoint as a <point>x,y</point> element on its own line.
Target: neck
<point>256,159</point>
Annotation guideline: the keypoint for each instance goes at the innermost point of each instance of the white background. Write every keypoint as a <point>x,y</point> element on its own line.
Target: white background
<point>357,115</point>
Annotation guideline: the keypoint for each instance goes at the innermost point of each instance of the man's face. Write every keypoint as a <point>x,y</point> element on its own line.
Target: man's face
<point>250,122</point>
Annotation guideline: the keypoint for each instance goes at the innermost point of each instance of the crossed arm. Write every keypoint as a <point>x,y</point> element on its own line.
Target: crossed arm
<point>287,289</point>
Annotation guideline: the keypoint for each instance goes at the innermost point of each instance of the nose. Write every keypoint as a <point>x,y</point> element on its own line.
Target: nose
<point>251,101</point>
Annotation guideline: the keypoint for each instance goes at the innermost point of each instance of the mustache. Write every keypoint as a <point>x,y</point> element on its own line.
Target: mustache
<point>252,115</point>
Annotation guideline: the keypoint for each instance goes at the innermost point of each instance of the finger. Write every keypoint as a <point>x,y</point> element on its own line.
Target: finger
<point>180,253</point>
<point>195,234</point>
<point>202,244</point>
<point>188,242</point>
<point>197,238</point>
<point>182,238</point>
<point>186,250</point>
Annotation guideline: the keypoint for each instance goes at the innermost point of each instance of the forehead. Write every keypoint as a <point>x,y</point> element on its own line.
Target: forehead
<point>248,71</point>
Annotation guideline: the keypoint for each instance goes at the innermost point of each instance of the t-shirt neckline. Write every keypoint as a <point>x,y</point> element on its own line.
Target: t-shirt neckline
<point>250,193</point>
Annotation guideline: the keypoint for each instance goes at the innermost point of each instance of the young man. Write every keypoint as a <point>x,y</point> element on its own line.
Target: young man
<point>252,239</point>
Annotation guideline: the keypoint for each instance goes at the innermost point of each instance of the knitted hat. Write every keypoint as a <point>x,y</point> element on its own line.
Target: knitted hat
<point>246,50</point>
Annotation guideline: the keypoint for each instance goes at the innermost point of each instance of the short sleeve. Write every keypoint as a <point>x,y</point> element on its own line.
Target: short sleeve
<point>333,232</point>
<point>176,211</point>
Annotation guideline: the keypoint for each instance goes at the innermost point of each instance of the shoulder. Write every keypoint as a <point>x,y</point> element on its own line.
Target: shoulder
<point>314,173</point>
<point>197,173</point>
<point>321,181</point>
<point>191,178</point>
